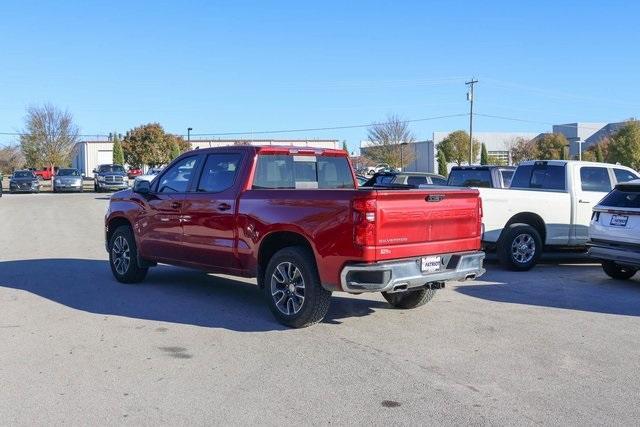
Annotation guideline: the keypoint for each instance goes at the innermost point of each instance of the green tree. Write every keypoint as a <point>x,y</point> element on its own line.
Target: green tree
<point>388,142</point>
<point>175,150</point>
<point>599,154</point>
<point>118,153</point>
<point>456,147</point>
<point>484,156</point>
<point>150,145</point>
<point>442,163</point>
<point>625,145</point>
<point>523,149</point>
<point>551,146</point>
<point>48,137</point>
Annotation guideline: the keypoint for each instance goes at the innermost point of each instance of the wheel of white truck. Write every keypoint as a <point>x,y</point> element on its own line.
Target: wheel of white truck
<point>123,257</point>
<point>617,271</point>
<point>409,299</point>
<point>519,247</point>
<point>293,290</point>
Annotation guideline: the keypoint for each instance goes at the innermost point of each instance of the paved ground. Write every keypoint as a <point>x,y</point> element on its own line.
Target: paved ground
<point>558,345</point>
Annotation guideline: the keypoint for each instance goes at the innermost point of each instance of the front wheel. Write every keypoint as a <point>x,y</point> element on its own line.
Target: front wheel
<point>617,271</point>
<point>292,288</point>
<point>409,299</point>
<point>520,247</point>
<point>123,257</point>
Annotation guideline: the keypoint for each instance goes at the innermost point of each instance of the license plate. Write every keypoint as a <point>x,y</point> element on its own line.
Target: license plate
<point>619,220</point>
<point>431,264</point>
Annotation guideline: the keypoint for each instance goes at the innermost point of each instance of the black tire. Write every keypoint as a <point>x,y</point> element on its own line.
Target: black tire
<point>132,272</point>
<point>285,295</point>
<point>617,271</point>
<point>95,188</point>
<point>519,259</point>
<point>409,299</point>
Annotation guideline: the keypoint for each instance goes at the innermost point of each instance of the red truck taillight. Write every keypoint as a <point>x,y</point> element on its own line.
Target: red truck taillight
<point>364,222</point>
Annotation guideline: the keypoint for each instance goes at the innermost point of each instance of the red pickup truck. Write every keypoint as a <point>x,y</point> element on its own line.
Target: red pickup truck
<point>295,219</point>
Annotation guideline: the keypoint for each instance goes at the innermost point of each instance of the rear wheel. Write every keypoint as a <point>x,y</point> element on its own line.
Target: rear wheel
<point>409,299</point>
<point>617,271</point>
<point>292,288</point>
<point>123,257</point>
<point>520,247</point>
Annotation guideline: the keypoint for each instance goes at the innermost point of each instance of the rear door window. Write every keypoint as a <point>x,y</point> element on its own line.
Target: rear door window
<point>302,172</point>
<point>219,172</point>
<point>595,179</point>
<point>623,175</point>
<point>540,176</point>
<point>470,178</point>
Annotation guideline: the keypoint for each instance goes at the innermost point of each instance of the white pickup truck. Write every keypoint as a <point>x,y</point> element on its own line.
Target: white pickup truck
<point>549,204</point>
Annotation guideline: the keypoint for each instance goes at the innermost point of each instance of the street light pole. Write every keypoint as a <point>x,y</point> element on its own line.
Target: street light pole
<point>402,144</point>
<point>189,135</point>
<point>470,98</point>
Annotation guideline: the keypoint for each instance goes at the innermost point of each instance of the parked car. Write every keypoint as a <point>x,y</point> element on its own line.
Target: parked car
<point>548,205</point>
<point>370,170</point>
<point>293,218</point>
<point>24,181</point>
<point>132,173</point>
<point>481,176</point>
<point>151,173</point>
<point>67,179</point>
<point>614,233</point>
<point>408,179</point>
<point>46,173</point>
<point>110,178</point>
<point>1,181</point>
<point>361,180</point>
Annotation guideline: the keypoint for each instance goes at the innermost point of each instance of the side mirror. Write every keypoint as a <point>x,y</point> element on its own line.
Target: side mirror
<point>82,174</point>
<point>95,171</point>
<point>142,187</point>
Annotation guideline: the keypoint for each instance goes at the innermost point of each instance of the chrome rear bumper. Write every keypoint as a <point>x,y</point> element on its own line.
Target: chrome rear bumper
<point>402,275</point>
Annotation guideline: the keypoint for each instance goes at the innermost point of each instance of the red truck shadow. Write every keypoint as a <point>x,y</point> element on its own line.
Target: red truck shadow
<point>168,294</point>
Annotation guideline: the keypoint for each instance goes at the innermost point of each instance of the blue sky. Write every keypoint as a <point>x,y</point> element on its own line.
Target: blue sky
<point>241,66</point>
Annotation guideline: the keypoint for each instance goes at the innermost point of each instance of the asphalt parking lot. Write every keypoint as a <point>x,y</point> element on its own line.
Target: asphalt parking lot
<point>558,345</point>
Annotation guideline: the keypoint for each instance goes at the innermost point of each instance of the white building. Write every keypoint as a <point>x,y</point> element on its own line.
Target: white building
<point>87,155</point>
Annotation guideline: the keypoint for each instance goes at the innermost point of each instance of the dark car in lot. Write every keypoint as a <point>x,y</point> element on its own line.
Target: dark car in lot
<point>481,176</point>
<point>24,181</point>
<point>110,178</point>
<point>67,180</point>
<point>404,179</point>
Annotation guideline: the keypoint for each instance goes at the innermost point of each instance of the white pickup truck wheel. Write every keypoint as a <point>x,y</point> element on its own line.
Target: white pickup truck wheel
<point>617,271</point>
<point>520,247</point>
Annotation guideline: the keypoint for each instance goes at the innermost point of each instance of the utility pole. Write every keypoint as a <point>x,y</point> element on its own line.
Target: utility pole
<point>470,99</point>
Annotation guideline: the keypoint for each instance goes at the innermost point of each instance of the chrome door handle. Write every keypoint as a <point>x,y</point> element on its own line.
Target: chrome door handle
<point>176,205</point>
<point>224,207</point>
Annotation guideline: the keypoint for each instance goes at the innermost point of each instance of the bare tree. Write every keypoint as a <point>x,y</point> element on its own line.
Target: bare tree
<point>11,158</point>
<point>48,137</point>
<point>388,142</point>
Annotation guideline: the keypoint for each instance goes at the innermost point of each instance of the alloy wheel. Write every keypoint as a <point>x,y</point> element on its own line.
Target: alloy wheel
<point>523,248</point>
<point>120,255</point>
<point>287,288</point>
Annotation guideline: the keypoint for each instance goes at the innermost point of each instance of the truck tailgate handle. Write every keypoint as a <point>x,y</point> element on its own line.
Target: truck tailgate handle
<point>224,207</point>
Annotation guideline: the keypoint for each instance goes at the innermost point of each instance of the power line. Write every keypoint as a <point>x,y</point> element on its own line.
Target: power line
<point>326,128</point>
<point>515,119</point>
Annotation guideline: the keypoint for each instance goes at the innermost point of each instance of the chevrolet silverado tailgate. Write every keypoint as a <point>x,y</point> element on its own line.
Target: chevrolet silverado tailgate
<point>422,222</point>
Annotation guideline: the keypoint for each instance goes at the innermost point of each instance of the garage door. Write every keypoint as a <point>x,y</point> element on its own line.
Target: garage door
<point>105,157</point>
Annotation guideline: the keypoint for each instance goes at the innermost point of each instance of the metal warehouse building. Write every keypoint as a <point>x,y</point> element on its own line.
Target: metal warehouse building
<point>87,155</point>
